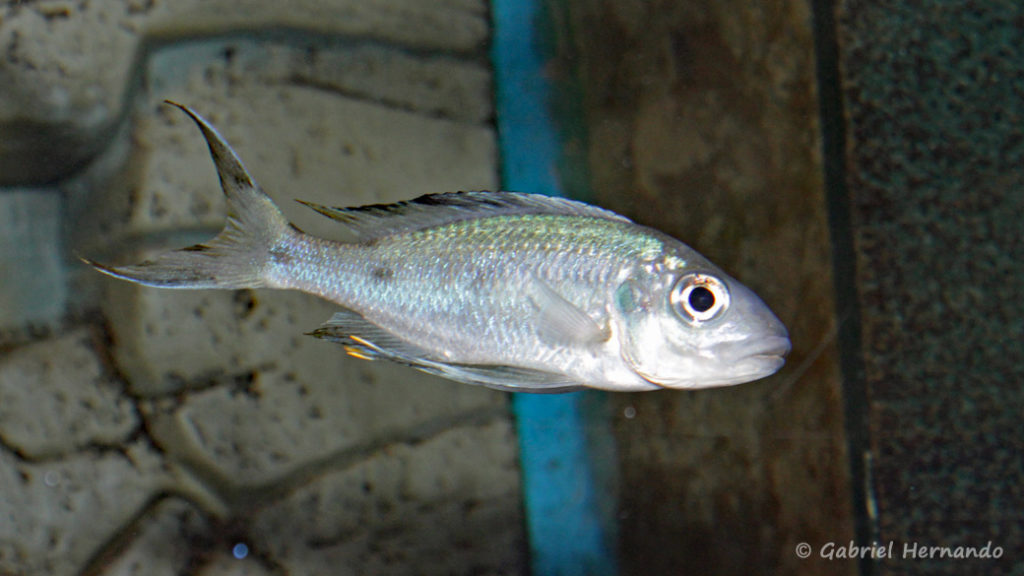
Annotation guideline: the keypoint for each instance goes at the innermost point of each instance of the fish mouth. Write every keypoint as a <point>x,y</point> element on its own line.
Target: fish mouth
<point>760,357</point>
<point>769,348</point>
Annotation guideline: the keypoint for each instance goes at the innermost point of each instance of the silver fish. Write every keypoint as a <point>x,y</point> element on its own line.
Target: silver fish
<point>512,291</point>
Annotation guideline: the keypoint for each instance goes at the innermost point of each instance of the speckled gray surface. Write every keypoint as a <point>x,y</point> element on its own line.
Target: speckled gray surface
<point>935,101</point>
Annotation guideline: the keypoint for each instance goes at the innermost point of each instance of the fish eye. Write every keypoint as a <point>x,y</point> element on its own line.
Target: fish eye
<point>699,298</point>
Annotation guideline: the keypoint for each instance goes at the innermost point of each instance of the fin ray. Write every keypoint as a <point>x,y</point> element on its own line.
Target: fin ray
<point>364,339</point>
<point>379,220</point>
<point>234,258</point>
<point>561,321</point>
<point>350,329</point>
<point>508,378</point>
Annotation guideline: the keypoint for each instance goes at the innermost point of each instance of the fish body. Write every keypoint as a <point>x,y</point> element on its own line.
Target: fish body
<point>512,291</point>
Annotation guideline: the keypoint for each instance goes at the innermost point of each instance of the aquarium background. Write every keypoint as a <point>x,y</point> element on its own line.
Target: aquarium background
<point>858,164</point>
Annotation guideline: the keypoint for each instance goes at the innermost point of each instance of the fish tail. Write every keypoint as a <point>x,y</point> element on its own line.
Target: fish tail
<point>235,258</point>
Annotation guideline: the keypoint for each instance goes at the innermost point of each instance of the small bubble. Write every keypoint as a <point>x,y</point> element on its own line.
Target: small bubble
<point>240,550</point>
<point>629,412</point>
<point>51,478</point>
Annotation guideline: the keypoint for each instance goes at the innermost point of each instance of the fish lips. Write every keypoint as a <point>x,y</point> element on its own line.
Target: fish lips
<point>759,356</point>
<point>762,347</point>
<point>727,364</point>
<point>767,347</point>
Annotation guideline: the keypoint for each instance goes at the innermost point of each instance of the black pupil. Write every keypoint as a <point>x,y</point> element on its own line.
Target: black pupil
<point>701,299</point>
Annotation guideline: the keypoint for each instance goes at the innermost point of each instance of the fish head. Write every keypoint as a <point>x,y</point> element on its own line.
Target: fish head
<point>686,324</point>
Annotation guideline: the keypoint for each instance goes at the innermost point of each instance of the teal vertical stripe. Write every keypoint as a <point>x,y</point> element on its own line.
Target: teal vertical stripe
<point>563,504</point>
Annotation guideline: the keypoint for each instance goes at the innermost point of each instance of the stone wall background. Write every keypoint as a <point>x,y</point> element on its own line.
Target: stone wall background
<point>152,432</point>
<point>147,432</point>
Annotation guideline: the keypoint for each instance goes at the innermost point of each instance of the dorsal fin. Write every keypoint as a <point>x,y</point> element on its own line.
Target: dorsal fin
<point>378,220</point>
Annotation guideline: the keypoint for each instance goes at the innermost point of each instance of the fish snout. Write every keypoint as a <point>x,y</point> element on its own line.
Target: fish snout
<point>752,358</point>
<point>766,347</point>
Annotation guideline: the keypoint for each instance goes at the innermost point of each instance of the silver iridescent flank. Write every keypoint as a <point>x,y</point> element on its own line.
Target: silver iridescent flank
<point>512,291</point>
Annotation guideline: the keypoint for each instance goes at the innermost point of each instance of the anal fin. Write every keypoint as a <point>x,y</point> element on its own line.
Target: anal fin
<point>363,339</point>
<point>506,378</point>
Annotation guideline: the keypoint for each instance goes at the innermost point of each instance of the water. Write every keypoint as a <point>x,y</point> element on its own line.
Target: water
<point>863,179</point>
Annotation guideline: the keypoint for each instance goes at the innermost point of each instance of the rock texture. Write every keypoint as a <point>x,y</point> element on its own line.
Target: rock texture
<point>67,67</point>
<point>160,432</point>
<point>30,228</point>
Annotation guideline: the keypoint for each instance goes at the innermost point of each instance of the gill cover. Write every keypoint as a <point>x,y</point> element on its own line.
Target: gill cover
<point>666,320</point>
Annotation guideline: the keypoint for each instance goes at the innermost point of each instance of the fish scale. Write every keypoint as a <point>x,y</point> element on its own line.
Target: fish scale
<point>412,303</point>
<point>508,290</point>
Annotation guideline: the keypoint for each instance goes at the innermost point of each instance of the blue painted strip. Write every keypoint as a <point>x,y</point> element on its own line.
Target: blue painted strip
<point>567,537</point>
<point>563,507</point>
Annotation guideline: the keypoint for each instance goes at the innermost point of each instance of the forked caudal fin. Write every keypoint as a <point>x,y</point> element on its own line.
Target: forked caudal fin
<point>235,258</point>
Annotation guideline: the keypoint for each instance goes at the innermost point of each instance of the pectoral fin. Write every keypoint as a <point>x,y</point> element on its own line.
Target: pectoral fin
<point>561,321</point>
